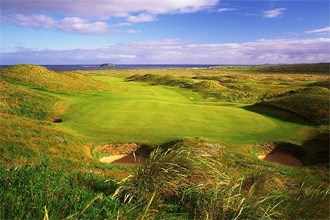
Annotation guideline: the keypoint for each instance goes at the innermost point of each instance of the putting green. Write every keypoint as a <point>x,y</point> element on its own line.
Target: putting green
<point>137,112</point>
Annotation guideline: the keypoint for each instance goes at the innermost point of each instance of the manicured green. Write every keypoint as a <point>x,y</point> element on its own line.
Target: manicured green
<point>137,112</point>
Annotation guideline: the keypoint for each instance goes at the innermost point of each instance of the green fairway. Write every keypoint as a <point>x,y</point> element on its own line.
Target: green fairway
<point>137,112</point>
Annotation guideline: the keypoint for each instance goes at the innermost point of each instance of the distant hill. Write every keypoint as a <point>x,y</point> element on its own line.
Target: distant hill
<point>323,68</point>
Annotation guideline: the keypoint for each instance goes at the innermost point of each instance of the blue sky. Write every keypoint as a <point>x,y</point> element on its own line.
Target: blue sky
<point>164,32</point>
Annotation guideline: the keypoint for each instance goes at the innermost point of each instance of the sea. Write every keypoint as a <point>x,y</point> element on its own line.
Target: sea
<point>120,67</point>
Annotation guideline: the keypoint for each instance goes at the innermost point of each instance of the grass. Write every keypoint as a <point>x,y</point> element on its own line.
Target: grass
<point>26,193</point>
<point>309,103</point>
<point>157,114</point>
<point>289,68</point>
<point>206,180</point>
<point>48,170</point>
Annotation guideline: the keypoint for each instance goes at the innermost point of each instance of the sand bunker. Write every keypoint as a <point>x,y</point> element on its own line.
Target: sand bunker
<point>123,159</point>
<point>57,120</point>
<point>281,158</point>
<point>283,153</point>
<point>129,153</point>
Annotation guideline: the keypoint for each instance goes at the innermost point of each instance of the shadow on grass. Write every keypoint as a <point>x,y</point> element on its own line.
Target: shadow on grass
<point>277,113</point>
<point>317,149</point>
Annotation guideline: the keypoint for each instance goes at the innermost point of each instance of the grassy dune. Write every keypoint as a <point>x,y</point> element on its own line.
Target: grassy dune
<point>225,116</point>
<point>310,103</point>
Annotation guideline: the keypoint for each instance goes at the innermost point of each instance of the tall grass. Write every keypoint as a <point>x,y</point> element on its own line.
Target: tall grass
<point>193,179</point>
<point>33,192</point>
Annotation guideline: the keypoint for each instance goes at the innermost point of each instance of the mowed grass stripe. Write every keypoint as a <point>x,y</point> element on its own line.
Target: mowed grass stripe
<point>137,112</point>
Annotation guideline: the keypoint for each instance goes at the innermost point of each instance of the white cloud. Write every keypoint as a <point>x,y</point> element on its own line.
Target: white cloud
<point>68,24</point>
<point>105,9</point>
<point>92,17</point>
<point>144,17</point>
<point>273,13</point>
<point>226,9</point>
<point>74,24</point>
<point>179,52</point>
<point>325,30</point>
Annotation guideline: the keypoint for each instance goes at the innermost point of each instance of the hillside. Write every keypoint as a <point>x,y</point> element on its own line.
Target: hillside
<point>310,103</point>
<point>40,78</point>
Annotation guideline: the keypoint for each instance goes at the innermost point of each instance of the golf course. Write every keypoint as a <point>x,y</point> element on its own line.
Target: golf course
<point>137,112</point>
<point>228,142</point>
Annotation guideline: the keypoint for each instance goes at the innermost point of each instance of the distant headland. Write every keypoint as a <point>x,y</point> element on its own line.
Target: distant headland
<point>107,65</point>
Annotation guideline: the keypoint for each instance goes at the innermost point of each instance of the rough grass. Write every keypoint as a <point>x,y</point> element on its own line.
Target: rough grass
<point>40,78</point>
<point>36,192</point>
<point>309,103</point>
<point>207,181</point>
<point>17,100</point>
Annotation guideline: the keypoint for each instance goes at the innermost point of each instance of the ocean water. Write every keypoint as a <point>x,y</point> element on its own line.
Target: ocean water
<point>118,67</point>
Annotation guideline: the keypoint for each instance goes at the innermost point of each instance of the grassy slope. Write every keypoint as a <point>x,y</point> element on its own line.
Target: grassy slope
<point>30,96</point>
<point>36,155</point>
<point>309,103</point>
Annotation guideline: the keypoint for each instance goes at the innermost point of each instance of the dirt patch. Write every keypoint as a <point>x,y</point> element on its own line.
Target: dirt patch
<point>283,153</point>
<point>128,153</point>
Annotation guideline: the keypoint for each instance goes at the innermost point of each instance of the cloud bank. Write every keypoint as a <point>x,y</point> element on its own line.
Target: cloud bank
<point>91,17</point>
<point>67,24</point>
<point>105,9</point>
<point>180,52</point>
<point>325,30</point>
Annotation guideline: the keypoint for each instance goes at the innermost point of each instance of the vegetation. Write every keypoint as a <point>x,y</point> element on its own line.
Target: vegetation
<point>288,68</point>
<point>48,170</point>
<point>309,103</point>
<point>206,180</point>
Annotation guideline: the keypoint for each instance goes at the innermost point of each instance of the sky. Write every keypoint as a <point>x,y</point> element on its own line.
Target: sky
<point>48,32</point>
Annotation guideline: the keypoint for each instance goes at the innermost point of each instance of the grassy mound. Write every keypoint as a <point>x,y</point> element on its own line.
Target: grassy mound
<point>309,103</point>
<point>168,80</point>
<point>29,99</point>
<point>41,78</point>
<point>211,88</point>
